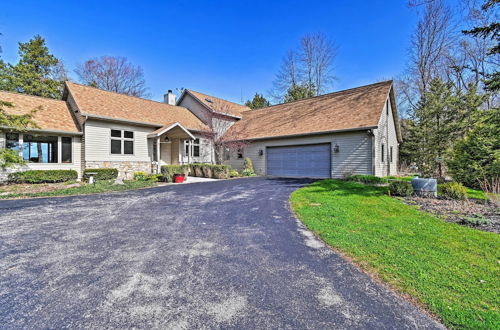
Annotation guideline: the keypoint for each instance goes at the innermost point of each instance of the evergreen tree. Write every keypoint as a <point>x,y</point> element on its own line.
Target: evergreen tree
<point>477,156</point>
<point>298,92</point>
<point>34,72</point>
<point>492,31</point>
<point>258,101</point>
<point>434,127</point>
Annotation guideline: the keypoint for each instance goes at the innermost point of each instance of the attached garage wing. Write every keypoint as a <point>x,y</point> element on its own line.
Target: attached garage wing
<point>299,161</point>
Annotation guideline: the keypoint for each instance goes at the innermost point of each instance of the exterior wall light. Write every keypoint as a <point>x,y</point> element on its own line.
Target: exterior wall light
<point>336,148</point>
<point>261,152</point>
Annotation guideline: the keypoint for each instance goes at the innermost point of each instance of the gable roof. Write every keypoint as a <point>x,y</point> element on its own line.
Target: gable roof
<point>50,114</point>
<point>103,104</point>
<point>216,104</point>
<point>355,108</point>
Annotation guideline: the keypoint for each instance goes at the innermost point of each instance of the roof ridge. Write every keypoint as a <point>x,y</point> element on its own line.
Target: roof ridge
<point>322,95</point>
<point>220,98</point>
<point>33,96</point>
<point>131,96</point>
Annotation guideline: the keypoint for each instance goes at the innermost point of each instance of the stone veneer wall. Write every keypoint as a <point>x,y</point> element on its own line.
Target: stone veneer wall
<point>126,169</point>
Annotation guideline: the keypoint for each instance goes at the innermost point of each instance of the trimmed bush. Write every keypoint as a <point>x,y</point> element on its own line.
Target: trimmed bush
<point>233,174</point>
<point>401,188</point>
<point>102,173</point>
<point>221,171</point>
<point>168,171</point>
<point>43,176</point>
<point>140,176</point>
<point>207,170</point>
<point>196,170</point>
<point>367,179</point>
<point>452,190</point>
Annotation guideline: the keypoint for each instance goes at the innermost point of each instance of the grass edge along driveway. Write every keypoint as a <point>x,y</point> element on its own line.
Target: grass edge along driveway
<point>450,269</point>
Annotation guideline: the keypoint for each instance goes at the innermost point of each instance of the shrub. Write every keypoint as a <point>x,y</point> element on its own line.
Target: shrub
<point>452,190</point>
<point>155,177</point>
<point>101,173</point>
<point>367,179</point>
<point>140,176</point>
<point>234,174</point>
<point>477,156</point>
<point>248,164</point>
<point>43,176</point>
<point>247,172</point>
<point>401,188</point>
<point>474,221</point>
<point>168,171</point>
<point>221,171</point>
<point>206,169</point>
<point>196,170</point>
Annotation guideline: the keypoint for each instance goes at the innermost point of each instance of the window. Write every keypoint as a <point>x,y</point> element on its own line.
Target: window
<point>122,142</point>
<point>66,150</point>
<point>240,153</point>
<point>192,148</point>
<point>12,141</point>
<point>40,149</point>
<point>387,108</point>
<point>196,148</point>
<point>390,153</point>
<point>382,152</point>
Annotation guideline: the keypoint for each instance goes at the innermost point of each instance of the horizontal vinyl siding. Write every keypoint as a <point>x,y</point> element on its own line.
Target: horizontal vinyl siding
<point>386,134</point>
<point>98,142</point>
<point>354,155</point>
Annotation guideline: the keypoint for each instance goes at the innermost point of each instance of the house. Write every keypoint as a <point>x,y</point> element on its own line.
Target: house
<point>351,131</point>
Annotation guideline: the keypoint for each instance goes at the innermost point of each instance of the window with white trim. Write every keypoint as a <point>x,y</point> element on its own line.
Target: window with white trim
<point>122,142</point>
<point>192,148</point>
<point>382,154</point>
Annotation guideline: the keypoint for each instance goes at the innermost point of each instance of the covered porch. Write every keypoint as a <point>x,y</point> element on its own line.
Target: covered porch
<point>171,145</point>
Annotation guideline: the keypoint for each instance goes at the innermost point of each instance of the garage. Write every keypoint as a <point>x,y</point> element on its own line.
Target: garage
<point>299,161</point>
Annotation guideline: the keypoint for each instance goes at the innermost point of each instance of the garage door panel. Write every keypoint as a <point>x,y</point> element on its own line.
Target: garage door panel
<point>299,161</point>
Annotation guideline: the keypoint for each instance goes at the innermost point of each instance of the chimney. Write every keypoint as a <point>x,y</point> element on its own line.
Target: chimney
<point>169,98</point>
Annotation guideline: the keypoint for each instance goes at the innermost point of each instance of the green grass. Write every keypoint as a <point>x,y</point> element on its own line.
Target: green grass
<point>99,187</point>
<point>475,193</point>
<point>450,269</point>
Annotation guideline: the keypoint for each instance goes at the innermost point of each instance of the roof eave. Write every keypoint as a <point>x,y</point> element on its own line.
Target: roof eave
<point>311,133</point>
<point>42,130</point>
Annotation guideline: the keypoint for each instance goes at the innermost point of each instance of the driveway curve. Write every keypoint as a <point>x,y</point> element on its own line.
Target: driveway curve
<point>225,254</point>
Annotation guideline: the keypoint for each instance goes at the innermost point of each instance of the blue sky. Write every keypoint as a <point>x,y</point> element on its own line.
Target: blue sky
<point>224,48</point>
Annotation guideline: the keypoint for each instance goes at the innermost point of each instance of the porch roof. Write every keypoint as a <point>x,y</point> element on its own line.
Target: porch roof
<point>175,130</point>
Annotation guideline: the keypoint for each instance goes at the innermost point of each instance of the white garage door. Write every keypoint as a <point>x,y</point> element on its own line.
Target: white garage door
<point>299,161</point>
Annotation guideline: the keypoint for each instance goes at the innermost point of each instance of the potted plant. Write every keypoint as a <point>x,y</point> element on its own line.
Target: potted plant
<point>179,178</point>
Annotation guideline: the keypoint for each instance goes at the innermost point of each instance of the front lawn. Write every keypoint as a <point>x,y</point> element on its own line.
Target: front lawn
<point>450,269</point>
<point>70,188</point>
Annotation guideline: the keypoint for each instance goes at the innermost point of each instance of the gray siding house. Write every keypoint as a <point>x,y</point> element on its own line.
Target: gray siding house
<point>333,135</point>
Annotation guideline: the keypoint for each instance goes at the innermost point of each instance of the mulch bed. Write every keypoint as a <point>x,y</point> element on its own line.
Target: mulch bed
<point>457,211</point>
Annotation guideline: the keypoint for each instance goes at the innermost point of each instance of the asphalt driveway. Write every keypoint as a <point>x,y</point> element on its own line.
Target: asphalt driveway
<point>226,254</point>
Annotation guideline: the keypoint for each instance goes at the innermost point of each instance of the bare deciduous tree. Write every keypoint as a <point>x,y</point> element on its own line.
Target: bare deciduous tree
<point>317,54</point>
<point>221,138</point>
<point>310,65</point>
<point>428,52</point>
<point>113,74</point>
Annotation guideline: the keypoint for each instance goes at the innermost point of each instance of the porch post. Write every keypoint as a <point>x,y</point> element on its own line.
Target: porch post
<point>189,151</point>
<point>158,149</point>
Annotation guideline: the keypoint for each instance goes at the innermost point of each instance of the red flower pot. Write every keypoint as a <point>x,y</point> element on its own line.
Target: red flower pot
<point>179,178</point>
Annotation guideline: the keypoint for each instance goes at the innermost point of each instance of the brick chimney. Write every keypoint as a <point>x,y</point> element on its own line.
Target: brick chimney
<point>169,98</point>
